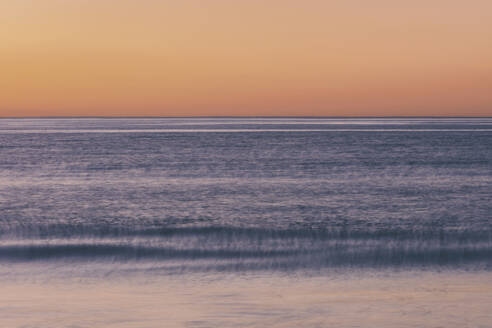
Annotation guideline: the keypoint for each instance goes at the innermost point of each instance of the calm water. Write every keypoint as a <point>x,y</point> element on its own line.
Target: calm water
<point>245,222</point>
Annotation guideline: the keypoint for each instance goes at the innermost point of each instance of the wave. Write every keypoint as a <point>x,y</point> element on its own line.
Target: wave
<point>228,248</point>
<point>379,256</point>
<point>94,251</point>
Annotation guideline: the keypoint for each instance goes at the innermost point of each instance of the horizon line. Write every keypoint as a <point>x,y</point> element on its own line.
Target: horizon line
<point>243,116</point>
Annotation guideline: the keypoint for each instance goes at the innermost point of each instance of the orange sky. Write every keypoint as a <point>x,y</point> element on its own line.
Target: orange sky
<point>251,57</point>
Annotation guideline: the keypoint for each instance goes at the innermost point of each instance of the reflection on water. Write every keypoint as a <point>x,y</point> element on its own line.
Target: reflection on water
<point>342,299</point>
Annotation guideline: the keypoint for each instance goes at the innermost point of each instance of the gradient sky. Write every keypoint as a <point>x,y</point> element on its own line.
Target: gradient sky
<point>251,57</point>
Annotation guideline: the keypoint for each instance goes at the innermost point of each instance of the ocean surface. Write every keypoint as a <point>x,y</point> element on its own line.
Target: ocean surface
<point>246,222</point>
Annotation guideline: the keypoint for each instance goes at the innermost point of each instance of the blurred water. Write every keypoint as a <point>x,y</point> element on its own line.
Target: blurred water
<point>235,196</point>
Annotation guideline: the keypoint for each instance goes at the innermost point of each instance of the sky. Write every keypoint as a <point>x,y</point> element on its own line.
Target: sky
<point>245,57</point>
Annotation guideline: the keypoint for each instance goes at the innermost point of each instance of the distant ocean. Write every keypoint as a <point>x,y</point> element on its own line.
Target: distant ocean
<point>215,217</point>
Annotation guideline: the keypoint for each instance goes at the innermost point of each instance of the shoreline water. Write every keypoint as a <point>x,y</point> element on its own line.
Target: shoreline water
<point>357,298</point>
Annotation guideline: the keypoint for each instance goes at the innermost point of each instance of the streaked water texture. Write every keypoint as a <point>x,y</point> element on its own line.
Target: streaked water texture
<point>245,222</point>
<point>247,194</point>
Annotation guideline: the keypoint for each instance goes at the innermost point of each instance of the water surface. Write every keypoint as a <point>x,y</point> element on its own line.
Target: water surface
<point>240,207</point>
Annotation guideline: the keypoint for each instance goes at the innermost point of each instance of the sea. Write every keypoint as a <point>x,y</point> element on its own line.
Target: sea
<point>246,222</point>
